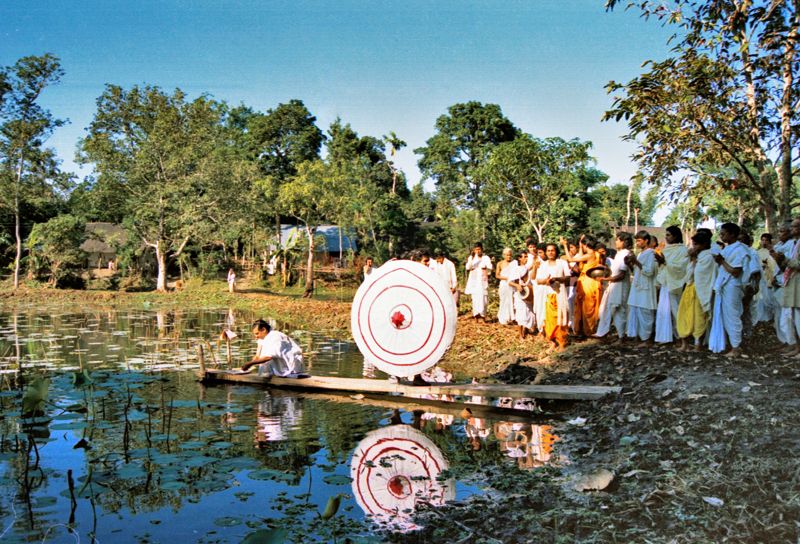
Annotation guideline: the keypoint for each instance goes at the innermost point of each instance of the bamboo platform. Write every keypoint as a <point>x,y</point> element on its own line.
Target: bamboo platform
<point>357,385</point>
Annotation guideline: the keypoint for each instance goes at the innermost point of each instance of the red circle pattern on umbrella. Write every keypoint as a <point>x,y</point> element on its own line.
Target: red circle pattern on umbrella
<point>395,468</point>
<point>403,318</point>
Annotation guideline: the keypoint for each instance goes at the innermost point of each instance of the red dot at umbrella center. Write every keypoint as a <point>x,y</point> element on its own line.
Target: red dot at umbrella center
<point>398,319</point>
<point>399,486</point>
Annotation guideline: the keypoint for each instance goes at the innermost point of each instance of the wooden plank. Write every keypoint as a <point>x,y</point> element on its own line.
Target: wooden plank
<point>358,385</point>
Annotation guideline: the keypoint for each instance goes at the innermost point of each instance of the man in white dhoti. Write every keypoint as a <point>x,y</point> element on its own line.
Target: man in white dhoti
<point>614,305</point>
<point>674,259</point>
<point>751,283</point>
<point>790,267</point>
<point>478,268</point>
<point>277,354</point>
<point>642,296</point>
<point>727,315</point>
<point>446,270</point>
<point>766,303</point>
<point>783,316</point>
<point>520,281</point>
<point>505,310</point>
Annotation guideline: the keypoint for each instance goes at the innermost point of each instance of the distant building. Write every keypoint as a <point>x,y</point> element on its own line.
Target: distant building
<point>326,238</point>
<point>101,239</point>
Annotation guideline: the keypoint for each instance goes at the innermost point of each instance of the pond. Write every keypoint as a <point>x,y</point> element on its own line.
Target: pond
<point>106,436</point>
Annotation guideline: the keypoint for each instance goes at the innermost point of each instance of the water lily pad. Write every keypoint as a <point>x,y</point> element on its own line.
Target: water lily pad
<point>337,479</point>
<point>269,474</point>
<point>266,536</point>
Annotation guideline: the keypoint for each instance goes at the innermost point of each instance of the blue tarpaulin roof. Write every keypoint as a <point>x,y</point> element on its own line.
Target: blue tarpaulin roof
<point>330,233</point>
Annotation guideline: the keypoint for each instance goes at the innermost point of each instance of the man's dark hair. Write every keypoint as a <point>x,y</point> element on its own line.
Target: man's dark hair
<point>261,325</point>
<point>731,228</point>
<point>643,235</point>
<point>767,235</point>
<point>702,238</point>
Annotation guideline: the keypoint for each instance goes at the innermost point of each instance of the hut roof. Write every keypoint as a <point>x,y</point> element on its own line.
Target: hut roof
<point>101,236</point>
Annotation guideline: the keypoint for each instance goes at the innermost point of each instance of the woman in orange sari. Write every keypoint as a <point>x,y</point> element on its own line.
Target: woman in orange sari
<point>587,293</point>
<point>552,276</point>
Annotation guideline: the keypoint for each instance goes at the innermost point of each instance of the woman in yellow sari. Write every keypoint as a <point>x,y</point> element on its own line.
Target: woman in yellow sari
<point>588,292</point>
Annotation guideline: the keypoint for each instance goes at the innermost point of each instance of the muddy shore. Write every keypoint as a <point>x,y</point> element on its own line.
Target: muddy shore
<point>702,448</point>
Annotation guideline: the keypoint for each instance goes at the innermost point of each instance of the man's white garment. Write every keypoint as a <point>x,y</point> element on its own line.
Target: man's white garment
<point>478,282</point>
<point>505,311</point>
<point>783,316</point>
<point>523,310</point>
<point>368,270</point>
<point>790,314</point>
<point>642,297</point>
<point>287,357</point>
<point>615,298</point>
<point>447,271</point>
<point>727,318</point>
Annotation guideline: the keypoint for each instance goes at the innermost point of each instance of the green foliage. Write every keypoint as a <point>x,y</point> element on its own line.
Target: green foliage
<point>55,247</point>
<point>724,105</point>
<point>608,206</point>
<point>170,159</point>
<point>463,141</point>
<point>537,186</point>
<point>29,172</point>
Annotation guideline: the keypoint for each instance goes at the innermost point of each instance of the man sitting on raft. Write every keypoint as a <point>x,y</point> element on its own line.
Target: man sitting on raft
<point>277,354</point>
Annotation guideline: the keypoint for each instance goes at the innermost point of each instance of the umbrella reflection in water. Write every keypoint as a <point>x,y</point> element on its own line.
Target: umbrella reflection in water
<point>395,469</point>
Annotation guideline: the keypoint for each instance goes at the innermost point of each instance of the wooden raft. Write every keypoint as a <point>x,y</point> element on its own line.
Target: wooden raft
<point>357,385</point>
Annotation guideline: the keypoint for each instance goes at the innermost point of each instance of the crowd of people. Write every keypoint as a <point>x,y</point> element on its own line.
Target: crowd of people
<point>704,293</point>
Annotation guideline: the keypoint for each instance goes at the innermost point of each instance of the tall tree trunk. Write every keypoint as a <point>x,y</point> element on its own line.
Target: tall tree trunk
<point>17,232</point>
<point>630,195</point>
<point>785,167</point>
<point>161,258</point>
<point>310,263</point>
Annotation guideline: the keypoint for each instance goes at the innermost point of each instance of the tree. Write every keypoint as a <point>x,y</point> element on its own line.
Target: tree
<point>538,185</point>
<point>727,98</point>
<point>155,148</point>
<point>279,141</point>
<point>608,206</point>
<point>395,144</point>
<point>56,246</point>
<point>463,141</point>
<point>26,166</point>
<point>308,199</point>
<point>372,193</point>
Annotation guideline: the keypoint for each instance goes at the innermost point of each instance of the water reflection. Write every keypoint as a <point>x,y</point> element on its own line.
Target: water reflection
<point>394,470</point>
<point>155,456</point>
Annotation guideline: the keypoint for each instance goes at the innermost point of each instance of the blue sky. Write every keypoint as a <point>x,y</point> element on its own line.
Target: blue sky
<point>380,66</point>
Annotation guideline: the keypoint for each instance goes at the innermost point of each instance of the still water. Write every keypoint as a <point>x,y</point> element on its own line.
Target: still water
<point>129,447</point>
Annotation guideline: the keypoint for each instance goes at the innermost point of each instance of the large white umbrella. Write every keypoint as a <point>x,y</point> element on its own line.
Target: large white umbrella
<point>403,318</point>
<point>394,469</point>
